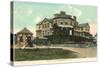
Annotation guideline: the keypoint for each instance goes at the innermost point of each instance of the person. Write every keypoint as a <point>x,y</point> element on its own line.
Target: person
<point>29,42</point>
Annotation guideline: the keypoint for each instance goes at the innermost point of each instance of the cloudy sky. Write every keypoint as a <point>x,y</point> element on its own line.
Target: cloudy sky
<point>28,14</point>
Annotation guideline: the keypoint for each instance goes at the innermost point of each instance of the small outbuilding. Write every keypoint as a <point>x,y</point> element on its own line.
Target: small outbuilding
<point>24,38</point>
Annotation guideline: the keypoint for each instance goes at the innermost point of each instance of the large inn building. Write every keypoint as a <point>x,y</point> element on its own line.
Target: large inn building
<point>63,28</point>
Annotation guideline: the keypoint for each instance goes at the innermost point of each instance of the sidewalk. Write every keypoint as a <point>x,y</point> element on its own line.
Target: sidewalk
<point>56,61</point>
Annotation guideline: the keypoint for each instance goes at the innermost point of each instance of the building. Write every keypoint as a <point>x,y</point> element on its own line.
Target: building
<point>63,28</point>
<point>95,39</point>
<point>24,38</point>
<point>44,28</point>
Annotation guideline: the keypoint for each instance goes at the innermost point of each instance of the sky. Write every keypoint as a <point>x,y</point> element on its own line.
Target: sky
<point>28,14</point>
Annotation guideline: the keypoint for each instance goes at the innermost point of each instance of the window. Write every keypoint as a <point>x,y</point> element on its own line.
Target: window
<point>66,28</point>
<point>86,29</point>
<point>28,39</point>
<point>42,26</point>
<point>21,39</point>
<point>55,21</point>
<point>71,23</point>
<point>48,25</point>
<point>61,23</point>
<point>39,27</point>
<point>82,28</point>
<point>42,32</point>
<point>48,33</point>
<point>61,28</point>
<point>66,23</point>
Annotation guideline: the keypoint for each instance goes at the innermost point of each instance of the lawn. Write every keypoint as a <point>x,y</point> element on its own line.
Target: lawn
<point>43,54</point>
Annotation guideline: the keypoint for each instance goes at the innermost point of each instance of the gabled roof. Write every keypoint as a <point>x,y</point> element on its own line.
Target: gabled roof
<point>44,20</point>
<point>83,25</point>
<point>25,31</point>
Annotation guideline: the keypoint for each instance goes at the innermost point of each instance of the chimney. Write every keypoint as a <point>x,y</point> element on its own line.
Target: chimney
<point>62,12</point>
<point>74,17</point>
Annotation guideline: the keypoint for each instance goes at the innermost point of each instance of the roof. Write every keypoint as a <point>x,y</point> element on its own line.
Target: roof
<point>25,31</point>
<point>83,25</point>
<point>44,20</point>
<point>62,14</point>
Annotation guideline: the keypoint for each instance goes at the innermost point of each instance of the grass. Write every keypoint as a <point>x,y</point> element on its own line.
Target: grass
<point>43,54</point>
